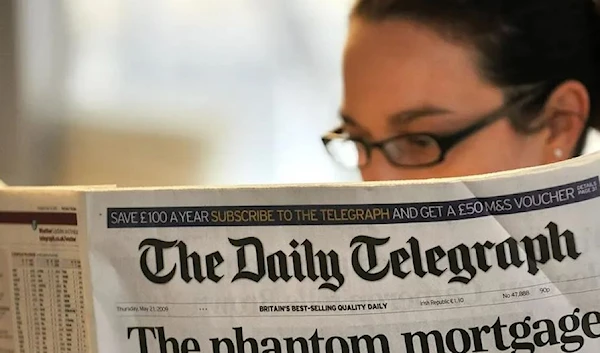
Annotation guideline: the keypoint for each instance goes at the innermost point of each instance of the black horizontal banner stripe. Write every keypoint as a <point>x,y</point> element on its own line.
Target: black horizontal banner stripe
<point>353,214</point>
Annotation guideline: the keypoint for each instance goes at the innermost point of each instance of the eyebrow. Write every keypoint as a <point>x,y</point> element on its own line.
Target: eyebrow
<point>405,116</point>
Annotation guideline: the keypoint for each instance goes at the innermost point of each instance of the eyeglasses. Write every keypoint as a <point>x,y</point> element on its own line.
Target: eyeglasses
<point>414,150</point>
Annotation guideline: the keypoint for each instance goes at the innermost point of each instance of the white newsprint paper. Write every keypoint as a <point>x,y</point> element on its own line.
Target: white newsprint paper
<point>508,262</point>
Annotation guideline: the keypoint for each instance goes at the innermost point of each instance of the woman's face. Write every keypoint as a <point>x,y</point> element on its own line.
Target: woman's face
<point>401,77</point>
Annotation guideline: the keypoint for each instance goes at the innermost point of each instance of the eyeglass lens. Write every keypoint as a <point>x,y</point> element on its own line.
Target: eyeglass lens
<point>412,150</point>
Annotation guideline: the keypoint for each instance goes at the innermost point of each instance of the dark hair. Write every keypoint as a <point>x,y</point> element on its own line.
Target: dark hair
<point>519,42</point>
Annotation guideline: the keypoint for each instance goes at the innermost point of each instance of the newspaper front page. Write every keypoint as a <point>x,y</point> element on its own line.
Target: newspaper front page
<point>501,263</point>
<point>498,263</point>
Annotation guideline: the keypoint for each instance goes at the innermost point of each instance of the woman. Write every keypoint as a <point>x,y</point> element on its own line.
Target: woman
<point>442,88</point>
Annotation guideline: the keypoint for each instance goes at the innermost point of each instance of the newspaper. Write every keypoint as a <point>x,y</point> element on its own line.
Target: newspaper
<point>507,262</point>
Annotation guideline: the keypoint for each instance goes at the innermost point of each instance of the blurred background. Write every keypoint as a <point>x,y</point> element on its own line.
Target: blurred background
<point>178,92</point>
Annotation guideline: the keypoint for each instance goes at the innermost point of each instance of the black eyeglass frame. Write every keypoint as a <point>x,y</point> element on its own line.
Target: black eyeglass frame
<point>444,142</point>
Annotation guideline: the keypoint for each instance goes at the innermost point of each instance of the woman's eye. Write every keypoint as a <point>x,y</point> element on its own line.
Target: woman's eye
<point>420,141</point>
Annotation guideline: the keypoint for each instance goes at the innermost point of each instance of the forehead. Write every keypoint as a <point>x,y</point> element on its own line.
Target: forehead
<point>397,64</point>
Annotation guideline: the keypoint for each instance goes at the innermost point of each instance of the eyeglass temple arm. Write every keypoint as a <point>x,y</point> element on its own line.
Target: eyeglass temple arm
<point>506,110</point>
